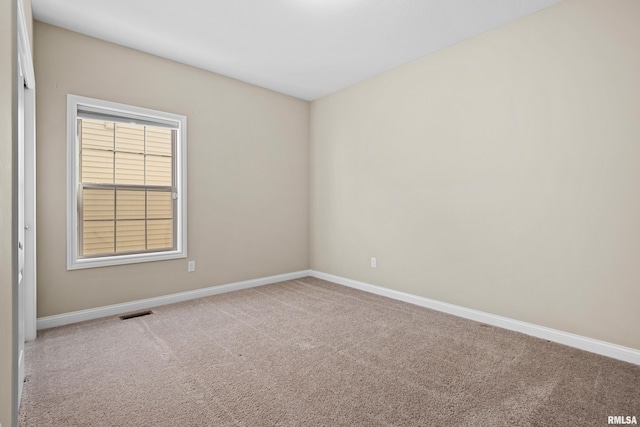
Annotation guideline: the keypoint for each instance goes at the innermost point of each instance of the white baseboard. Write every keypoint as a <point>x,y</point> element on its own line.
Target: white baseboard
<point>113,310</point>
<point>572,340</point>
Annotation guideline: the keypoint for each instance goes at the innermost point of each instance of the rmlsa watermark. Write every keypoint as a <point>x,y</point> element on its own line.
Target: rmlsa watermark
<point>622,419</point>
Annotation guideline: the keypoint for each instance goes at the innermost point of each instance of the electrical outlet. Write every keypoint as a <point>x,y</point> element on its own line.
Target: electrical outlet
<point>191,267</point>
<point>374,263</point>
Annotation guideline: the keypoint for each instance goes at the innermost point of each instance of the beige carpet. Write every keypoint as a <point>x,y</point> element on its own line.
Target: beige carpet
<point>308,352</point>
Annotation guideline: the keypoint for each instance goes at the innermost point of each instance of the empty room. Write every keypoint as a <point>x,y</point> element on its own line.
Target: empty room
<point>320,212</point>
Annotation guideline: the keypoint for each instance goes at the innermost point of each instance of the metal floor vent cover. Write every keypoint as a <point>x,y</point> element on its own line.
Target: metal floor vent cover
<point>136,314</point>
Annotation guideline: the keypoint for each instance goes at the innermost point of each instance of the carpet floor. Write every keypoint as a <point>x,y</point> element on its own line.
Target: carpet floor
<point>309,352</point>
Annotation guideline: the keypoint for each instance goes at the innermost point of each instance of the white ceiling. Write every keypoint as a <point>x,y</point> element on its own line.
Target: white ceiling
<point>303,48</point>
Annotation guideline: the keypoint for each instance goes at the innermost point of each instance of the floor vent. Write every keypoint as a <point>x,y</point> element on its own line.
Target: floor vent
<point>136,314</point>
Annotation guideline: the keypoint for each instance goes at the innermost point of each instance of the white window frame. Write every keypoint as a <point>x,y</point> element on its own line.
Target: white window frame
<point>126,111</point>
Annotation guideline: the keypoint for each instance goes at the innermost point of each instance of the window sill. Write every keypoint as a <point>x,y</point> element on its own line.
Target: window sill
<point>124,259</point>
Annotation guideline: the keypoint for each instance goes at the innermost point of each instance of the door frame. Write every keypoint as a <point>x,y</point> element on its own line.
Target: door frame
<point>24,303</point>
<point>26,62</point>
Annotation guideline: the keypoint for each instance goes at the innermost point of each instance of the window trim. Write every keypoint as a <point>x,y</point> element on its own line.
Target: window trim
<point>74,103</point>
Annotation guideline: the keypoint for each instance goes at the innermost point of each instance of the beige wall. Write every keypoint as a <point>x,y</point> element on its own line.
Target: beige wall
<point>248,172</point>
<point>7,63</point>
<point>500,174</point>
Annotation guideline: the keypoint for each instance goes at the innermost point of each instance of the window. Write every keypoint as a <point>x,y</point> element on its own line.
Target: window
<point>127,184</point>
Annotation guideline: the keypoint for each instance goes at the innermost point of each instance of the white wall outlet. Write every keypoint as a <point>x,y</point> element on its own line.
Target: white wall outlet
<point>191,267</point>
<point>374,262</point>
